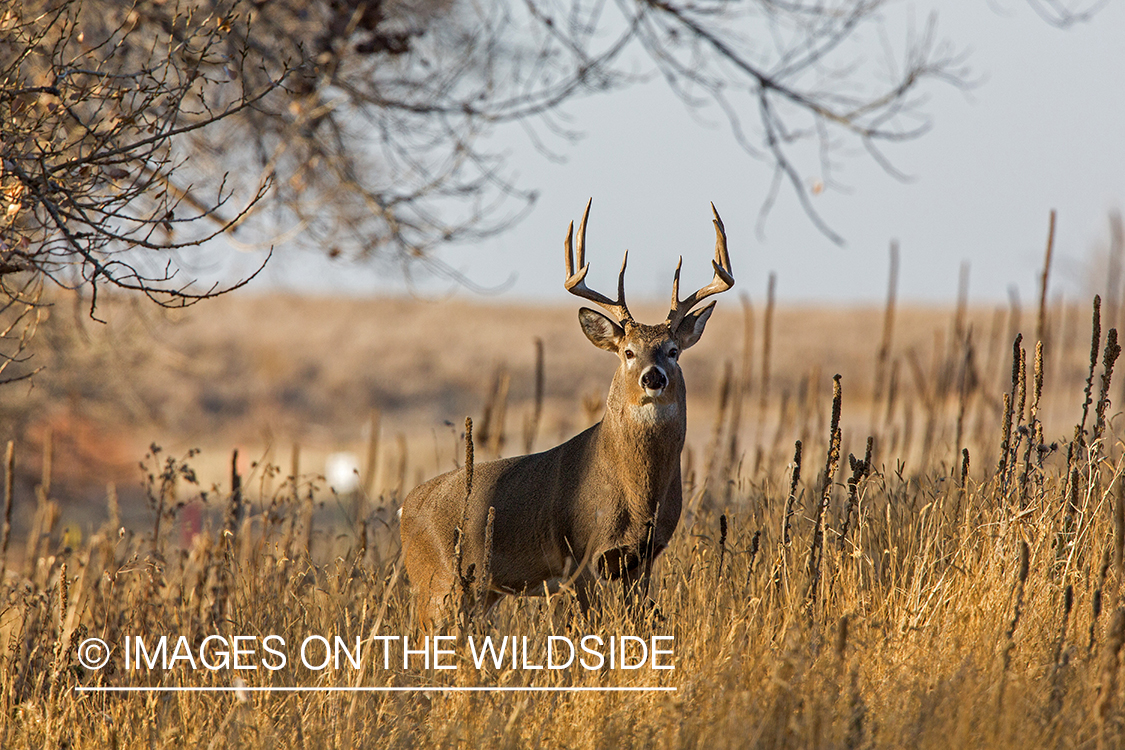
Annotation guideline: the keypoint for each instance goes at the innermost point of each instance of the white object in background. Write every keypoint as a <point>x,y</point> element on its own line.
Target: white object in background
<point>341,469</point>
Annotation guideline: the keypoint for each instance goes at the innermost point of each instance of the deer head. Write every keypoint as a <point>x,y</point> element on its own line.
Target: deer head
<point>648,376</point>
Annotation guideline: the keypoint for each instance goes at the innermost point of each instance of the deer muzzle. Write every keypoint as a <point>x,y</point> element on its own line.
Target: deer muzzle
<point>654,381</point>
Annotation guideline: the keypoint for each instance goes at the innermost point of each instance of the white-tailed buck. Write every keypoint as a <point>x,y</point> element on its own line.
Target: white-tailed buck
<point>604,503</point>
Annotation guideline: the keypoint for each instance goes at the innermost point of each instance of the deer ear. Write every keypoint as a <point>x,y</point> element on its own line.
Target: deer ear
<point>691,327</point>
<point>602,332</point>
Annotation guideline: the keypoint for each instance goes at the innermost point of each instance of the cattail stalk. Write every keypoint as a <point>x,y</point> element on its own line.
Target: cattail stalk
<point>1077,449</point>
<point>767,341</point>
<point>755,542</point>
<point>1009,408</point>
<point>1033,426</point>
<point>714,447</point>
<point>458,545</point>
<point>722,545</point>
<point>1077,446</point>
<point>1002,467</point>
<point>964,386</point>
<point>1113,268</point>
<point>1017,612</point>
<point>372,462</point>
<point>789,503</point>
<point>832,463</point>
<point>234,512</point>
<point>1096,599</point>
<point>1109,358</point>
<point>860,470</point>
<point>747,368</point>
<point>1119,532</point>
<point>113,507</point>
<point>532,425</point>
<point>1015,315</point>
<point>1061,658</point>
<point>1041,323</point>
<point>884,352</point>
<point>1019,406</point>
<point>1021,580</point>
<point>491,435</point>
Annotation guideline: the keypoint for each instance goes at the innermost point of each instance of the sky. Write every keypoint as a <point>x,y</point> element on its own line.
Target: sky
<point>1044,128</point>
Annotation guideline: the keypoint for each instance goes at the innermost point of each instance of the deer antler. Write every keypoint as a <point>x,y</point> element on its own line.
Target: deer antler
<point>722,281</point>
<point>576,282</point>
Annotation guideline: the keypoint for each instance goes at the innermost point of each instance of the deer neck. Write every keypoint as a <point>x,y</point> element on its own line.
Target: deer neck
<point>642,443</point>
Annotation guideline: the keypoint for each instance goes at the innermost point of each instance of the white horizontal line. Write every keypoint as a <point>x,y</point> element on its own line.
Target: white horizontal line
<point>287,689</point>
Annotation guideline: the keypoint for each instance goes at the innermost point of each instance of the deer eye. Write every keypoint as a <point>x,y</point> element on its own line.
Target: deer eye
<point>673,353</point>
<point>629,354</point>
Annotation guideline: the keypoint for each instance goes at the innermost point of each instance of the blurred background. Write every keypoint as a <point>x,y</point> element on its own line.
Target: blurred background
<point>393,183</point>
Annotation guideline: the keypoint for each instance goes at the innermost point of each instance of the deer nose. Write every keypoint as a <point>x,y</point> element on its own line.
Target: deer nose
<point>654,379</point>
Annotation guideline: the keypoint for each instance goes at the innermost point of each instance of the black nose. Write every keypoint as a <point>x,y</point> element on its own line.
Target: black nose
<point>654,379</point>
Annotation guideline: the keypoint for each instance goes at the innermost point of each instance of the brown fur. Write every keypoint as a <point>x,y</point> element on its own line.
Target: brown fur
<point>604,503</point>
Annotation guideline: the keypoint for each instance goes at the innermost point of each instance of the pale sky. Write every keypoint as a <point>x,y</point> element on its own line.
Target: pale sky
<point>1045,128</point>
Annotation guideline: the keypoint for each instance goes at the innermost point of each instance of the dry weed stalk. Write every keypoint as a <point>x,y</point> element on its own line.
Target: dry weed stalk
<point>722,545</point>
<point>883,354</point>
<point>964,468</point>
<point>714,447</point>
<point>6,531</point>
<point>1061,659</point>
<point>1034,427</point>
<point>832,463</point>
<point>1011,421</point>
<point>371,464</point>
<point>531,425</point>
<point>1020,409</point>
<point>1096,598</point>
<point>458,548</point>
<point>860,470</point>
<point>1109,358</point>
<point>746,374</point>
<point>491,435</point>
<point>1119,536</point>
<point>791,499</point>
<point>755,543</point>
<point>1109,735</point>
<point>1041,320</point>
<point>1002,654</point>
<point>966,384</point>
<point>1017,613</point>
<point>1076,450</point>
<point>767,342</point>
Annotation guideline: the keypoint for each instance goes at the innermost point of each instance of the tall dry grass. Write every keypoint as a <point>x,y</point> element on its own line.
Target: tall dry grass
<point>968,597</point>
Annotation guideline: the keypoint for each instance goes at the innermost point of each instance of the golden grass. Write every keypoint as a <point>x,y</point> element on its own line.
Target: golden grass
<point>956,611</point>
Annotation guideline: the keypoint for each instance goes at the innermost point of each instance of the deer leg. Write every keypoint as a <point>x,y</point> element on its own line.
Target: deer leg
<point>431,601</point>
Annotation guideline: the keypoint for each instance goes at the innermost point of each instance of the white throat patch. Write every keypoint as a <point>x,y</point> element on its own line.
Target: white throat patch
<point>651,412</point>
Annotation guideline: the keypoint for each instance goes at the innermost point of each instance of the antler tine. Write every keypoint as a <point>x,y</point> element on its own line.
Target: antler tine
<point>621,284</point>
<point>722,281</point>
<point>575,282</point>
<point>582,234</point>
<point>721,254</point>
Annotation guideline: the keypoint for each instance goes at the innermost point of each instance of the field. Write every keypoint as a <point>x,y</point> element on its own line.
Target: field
<point>940,567</point>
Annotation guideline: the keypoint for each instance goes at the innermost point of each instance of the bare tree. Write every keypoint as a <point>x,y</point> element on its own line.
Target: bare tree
<point>92,149</point>
<point>19,319</point>
<point>1066,13</point>
<point>134,133</point>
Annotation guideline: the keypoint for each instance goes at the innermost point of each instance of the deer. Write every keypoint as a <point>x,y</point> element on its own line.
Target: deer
<point>601,506</point>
